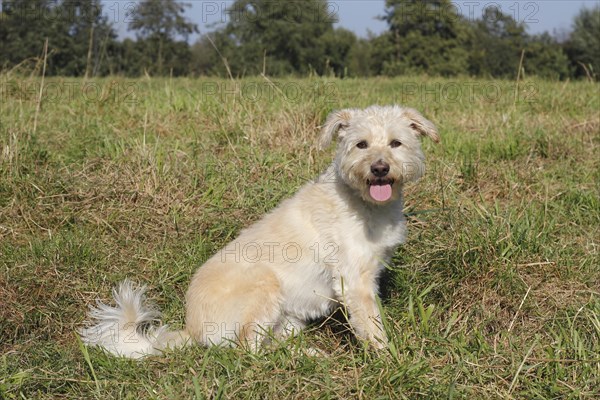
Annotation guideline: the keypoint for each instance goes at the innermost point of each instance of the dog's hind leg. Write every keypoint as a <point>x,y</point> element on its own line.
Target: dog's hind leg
<point>228,304</point>
<point>262,311</point>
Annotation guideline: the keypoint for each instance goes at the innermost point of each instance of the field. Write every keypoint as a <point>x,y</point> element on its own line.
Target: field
<point>496,293</point>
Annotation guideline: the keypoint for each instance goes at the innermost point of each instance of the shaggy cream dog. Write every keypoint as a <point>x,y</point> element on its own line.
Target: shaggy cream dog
<point>323,247</point>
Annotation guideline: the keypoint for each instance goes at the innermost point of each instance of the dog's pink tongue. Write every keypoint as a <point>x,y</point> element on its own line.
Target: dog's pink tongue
<point>380,192</point>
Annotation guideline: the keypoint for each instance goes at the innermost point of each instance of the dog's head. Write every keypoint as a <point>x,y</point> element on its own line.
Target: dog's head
<point>378,148</point>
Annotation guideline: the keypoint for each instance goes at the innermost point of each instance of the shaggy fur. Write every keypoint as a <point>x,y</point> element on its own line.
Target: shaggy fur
<point>324,246</point>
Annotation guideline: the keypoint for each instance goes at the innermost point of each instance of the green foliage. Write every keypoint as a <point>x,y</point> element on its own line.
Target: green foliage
<point>583,46</point>
<point>162,18</point>
<point>282,38</point>
<point>338,45</point>
<point>424,37</point>
<point>77,32</point>
<point>84,22</point>
<point>158,23</point>
<point>360,58</point>
<point>545,58</point>
<point>204,58</point>
<point>496,43</point>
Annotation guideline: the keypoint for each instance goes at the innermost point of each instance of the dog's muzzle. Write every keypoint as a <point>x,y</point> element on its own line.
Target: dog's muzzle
<point>380,188</point>
<point>380,168</point>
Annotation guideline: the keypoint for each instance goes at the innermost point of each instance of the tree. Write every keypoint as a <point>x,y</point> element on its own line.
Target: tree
<point>158,23</point>
<point>495,45</point>
<point>583,45</point>
<point>89,36</point>
<point>23,29</point>
<point>545,58</point>
<point>338,47</point>
<point>360,58</point>
<point>76,31</point>
<point>424,37</point>
<point>204,58</point>
<point>285,37</point>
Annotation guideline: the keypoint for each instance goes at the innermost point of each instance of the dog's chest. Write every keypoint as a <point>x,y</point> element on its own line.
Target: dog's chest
<point>308,291</point>
<point>374,235</point>
<point>386,230</point>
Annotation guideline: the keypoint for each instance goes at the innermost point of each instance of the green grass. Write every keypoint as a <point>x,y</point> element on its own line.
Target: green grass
<point>496,294</point>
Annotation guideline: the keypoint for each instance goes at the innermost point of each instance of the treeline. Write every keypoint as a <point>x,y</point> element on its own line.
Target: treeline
<point>278,37</point>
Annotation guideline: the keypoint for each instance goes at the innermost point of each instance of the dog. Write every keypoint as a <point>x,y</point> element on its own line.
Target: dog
<point>324,247</point>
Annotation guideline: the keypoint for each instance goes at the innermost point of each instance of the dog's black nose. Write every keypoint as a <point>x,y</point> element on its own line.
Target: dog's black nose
<point>380,169</point>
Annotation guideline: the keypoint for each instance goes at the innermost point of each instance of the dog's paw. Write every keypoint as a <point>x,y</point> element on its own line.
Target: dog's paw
<point>314,352</point>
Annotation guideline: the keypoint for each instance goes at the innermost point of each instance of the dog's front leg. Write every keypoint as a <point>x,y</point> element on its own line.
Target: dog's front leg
<point>358,293</point>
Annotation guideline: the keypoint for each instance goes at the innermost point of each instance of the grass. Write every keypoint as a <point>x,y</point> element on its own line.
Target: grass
<point>495,294</point>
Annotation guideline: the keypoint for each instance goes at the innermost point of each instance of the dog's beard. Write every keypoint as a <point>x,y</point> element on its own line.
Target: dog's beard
<point>380,189</point>
<point>371,189</point>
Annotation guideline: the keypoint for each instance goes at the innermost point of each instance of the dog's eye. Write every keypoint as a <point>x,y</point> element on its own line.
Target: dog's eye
<point>395,143</point>
<point>362,145</point>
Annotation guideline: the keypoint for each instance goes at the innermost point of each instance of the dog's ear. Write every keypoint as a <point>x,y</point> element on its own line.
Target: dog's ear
<point>421,125</point>
<point>335,124</point>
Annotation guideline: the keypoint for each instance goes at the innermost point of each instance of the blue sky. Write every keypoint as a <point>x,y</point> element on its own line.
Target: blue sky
<point>360,16</point>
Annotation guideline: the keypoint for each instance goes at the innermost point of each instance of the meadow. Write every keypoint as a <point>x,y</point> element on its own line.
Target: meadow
<point>495,295</point>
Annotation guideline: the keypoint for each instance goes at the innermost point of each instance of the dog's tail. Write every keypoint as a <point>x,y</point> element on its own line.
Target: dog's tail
<point>129,329</point>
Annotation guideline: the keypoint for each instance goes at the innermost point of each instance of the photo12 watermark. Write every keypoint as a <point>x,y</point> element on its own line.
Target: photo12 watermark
<point>223,12</point>
<point>526,12</point>
<point>65,91</point>
<point>286,11</point>
<point>293,92</point>
<point>277,252</point>
<point>467,92</point>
